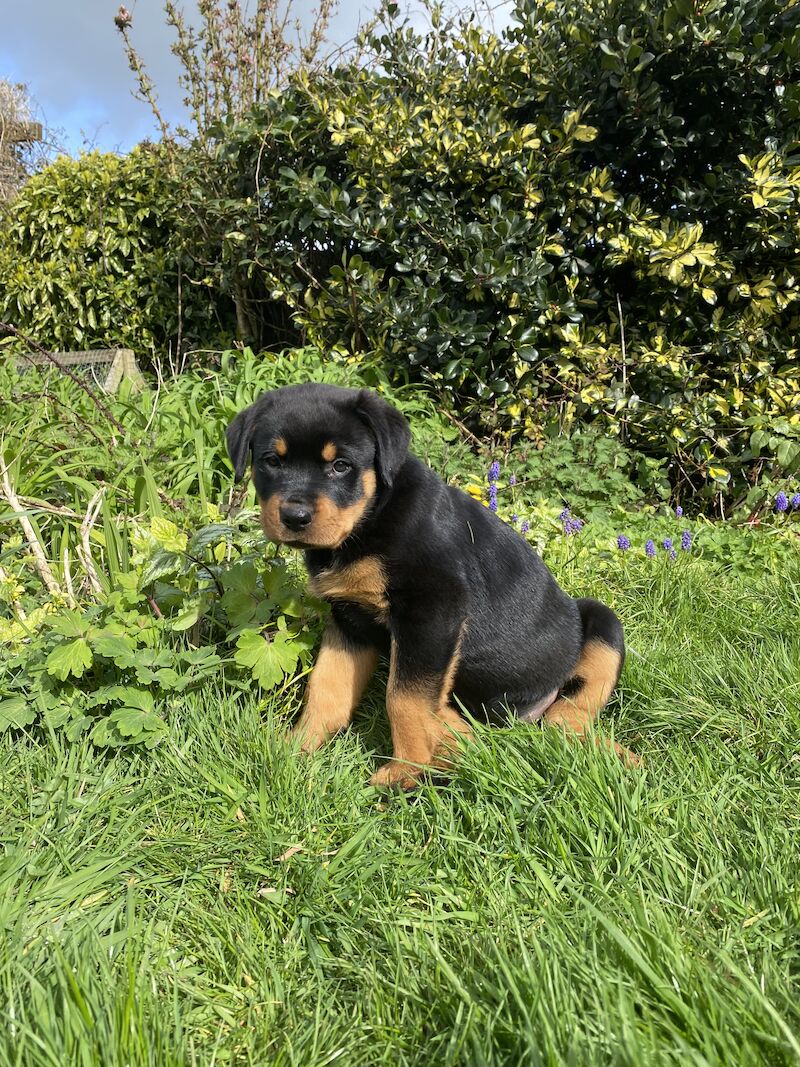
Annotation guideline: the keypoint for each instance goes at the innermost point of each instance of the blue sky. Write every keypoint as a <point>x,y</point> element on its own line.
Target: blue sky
<point>69,54</point>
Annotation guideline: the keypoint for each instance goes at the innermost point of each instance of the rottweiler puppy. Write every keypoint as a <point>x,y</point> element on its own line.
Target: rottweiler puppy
<point>466,610</point>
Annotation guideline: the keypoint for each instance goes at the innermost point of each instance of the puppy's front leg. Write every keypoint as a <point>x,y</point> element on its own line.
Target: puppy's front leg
<point>422,666</point>
<point>337,682</point>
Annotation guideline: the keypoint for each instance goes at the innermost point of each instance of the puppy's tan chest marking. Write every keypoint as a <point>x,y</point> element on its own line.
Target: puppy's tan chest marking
<point>362,582</point>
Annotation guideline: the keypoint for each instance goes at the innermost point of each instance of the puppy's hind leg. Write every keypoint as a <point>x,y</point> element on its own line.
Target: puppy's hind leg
<point>595,676</point>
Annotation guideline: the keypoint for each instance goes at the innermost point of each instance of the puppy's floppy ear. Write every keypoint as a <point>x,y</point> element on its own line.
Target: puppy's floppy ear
<point>390,430</point>
<point>238,437</point>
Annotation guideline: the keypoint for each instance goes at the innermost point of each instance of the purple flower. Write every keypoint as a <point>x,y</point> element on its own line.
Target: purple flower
<point>494,471</point>
<point>512,479</point>
<point>667,544</point>
<point>570,525</point>
<point>525,526</point>
<point>781,501</point>
<point>679,511</point>
<point>795,501</point>
<point>514,519</point>
<point>492,497</point>
<point>686,540</point>
<point>623,543</point>
<point>672,553</point>
<point>650,549</point>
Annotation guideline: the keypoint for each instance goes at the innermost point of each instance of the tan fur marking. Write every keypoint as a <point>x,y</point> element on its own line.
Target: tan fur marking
<point>337,682</point>
<point>452,667</point>
<point>598,665</point>
<point>281,448</point>
<point>362,582</point>
<point>424,729</point>
<point>270,517</point>
<point>329,452</point>
<point>330,525</point>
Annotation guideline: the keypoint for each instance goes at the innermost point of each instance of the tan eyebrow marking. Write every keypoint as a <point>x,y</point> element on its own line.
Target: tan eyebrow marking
<point>280,446</point>
<point>329,452</point>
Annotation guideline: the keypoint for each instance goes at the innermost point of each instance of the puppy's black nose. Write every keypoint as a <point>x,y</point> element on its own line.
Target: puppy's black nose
<point>296,516</point>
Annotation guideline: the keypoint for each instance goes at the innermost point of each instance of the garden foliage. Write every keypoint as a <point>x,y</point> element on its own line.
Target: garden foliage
<point>592,216</point>
<point>93,254</point>
<point>160,581</point>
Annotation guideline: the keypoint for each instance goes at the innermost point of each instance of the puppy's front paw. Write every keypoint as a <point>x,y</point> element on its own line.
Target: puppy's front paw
<point>630,759</point>
<point>308,741</point>
<point>396,775</point>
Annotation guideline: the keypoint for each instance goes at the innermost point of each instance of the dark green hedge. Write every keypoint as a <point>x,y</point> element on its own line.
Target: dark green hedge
<point>592,217</point>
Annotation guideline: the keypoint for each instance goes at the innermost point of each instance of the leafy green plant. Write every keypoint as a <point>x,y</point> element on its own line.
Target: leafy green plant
<point>161,630</point>
<point>92,256</point>
<point>576,220</point>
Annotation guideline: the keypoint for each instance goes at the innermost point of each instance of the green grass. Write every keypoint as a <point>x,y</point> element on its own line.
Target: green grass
<point>219,901</point>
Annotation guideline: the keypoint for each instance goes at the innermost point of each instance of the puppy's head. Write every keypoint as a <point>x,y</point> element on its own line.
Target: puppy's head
<point>321,456</point>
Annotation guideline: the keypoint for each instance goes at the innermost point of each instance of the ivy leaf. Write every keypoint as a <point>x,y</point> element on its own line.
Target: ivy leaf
<point>240,598</point>
<point>15,713</point>
<point>186,618</point>
<point>131,721</point>
<point>70,623</point>
<point>77,727</point>
<point>241,577</point>
<point>269,659</point>
<point>200,657</point>
<point>121,650</point>
<point>70,657</point>
<point>137,717</point>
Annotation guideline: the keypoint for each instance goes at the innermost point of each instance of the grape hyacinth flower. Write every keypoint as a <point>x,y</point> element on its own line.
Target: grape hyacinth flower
<point>795,501</point>
<point>492,497</point>
<point>686,540</point>
<point>525,527</point>
<point>512,479</point>
<point>570,525</point>
<point>623,543</point>
<point>781,502</point>
<point>494,471</point>
<point>667,544</point>
<point>514,520</point>
<point>679,512</point>
<point>650,549</point>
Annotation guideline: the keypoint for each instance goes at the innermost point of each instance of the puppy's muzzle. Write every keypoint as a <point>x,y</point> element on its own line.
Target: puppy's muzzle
<point>295,516</point>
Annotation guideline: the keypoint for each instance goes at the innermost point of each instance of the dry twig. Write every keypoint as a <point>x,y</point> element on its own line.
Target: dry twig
<point>39,559</point>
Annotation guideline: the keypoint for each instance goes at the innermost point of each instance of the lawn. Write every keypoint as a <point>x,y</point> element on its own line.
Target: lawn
<point>219,901</point>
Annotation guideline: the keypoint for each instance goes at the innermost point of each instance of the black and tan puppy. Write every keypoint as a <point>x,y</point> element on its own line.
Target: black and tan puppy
<point>466,610</point>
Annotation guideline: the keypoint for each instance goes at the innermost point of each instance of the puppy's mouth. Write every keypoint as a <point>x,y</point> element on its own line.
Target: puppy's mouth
<point>293,540</point>
<point>327,525</point>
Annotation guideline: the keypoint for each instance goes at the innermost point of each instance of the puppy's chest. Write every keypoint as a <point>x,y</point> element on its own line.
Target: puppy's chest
<point>362,582</point>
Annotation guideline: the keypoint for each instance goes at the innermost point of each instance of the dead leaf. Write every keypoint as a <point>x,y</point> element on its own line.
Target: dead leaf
<point>289,852</point>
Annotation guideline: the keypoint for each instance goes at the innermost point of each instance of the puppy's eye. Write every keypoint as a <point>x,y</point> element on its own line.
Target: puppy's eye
<point>341,466</point>
<point>271,461</point>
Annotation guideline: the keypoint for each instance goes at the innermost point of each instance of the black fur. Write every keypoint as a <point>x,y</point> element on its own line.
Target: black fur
<point>457,576</point>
